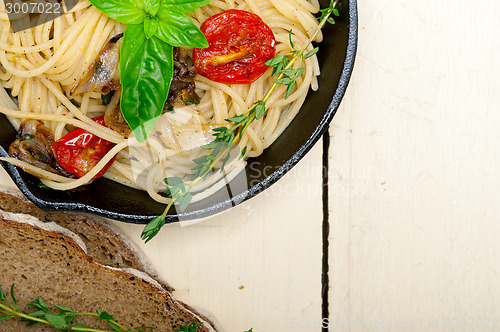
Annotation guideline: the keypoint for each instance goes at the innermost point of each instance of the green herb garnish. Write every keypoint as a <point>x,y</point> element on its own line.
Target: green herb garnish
<point>106,98</point>
<point>226,138</point>
<point>27,137</point>
<point>42,157</point>
<point>191,328</point>
<point>193,100</point>
<point>61,319</point>
<point>154,28</point>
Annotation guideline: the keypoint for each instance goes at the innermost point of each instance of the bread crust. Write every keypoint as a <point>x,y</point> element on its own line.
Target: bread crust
<point>103,242</point>
<point>43,261</point>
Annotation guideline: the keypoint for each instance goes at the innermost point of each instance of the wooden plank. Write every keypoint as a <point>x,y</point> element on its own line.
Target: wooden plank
<point>257,265</point>
<point>414,194</point>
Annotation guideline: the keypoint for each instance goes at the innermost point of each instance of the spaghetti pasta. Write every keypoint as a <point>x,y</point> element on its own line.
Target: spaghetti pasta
<point>41,65</point>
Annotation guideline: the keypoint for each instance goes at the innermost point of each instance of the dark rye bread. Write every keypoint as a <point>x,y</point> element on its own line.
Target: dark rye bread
<point>103,243</point>
<point>43,259</point>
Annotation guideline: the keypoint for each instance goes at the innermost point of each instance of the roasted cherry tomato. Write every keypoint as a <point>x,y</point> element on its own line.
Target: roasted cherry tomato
<point>240,44</point>
<point>79,151</point>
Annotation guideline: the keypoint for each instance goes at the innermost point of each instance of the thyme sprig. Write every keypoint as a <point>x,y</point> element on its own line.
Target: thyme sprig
<point>191,328</point>
<point>226,137</point>
<point>62,319</point>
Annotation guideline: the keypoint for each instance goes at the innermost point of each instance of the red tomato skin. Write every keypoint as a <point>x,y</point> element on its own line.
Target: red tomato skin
<point>238,35</point>
<point>79,151</point>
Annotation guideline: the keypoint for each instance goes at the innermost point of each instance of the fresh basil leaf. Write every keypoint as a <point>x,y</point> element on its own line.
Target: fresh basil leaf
<point>183,6</point>
<point>177,29</point>
<point>146,69</point>
<point>125,11</point>
<point>150,26</point>
<point>152,6</point>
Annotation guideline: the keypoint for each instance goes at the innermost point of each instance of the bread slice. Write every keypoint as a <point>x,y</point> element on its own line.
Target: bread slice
<point>103,243</point>
<point>44,259</point>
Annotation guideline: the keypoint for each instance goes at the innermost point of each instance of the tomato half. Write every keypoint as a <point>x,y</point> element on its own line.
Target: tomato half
<point>240,44</point>
<point>79,151</point>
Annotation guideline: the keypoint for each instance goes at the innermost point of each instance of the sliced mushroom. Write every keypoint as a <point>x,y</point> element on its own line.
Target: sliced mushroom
<point>103,73</point>
<point>32,145</point>
<point>113,118</point>
<point>182,88</point>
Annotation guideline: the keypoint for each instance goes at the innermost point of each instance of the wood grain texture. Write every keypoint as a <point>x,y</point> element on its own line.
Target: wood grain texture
<point>257,265</point>
<point>414,202</point>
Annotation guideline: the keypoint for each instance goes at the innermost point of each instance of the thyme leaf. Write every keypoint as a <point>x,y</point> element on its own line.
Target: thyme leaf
<point>61,319</point>
<point>191,328</point>
<point>227,137</point>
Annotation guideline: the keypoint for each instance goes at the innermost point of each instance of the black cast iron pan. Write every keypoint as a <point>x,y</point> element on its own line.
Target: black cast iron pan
<point>112,200</point>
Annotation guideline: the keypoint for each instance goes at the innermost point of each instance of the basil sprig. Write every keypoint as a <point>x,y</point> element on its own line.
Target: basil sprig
<point>154,27</point>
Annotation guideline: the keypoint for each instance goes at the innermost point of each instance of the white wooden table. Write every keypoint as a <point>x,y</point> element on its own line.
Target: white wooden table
<point>414,195</point>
